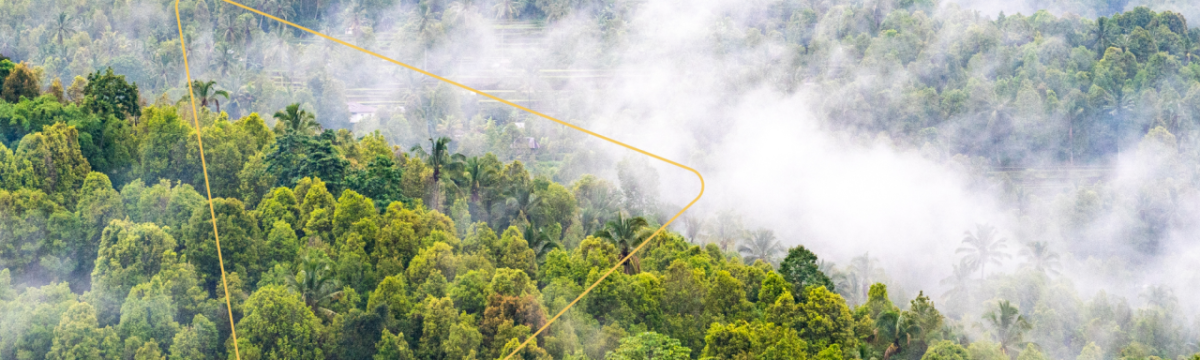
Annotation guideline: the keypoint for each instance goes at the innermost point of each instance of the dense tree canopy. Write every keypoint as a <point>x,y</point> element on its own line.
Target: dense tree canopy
<point>338,243</point>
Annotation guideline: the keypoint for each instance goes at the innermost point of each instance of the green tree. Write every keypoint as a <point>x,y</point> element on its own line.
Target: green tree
<point>280,205</point>
<point>259,332</point>
<point>207,92</point>
<point>946,350</point>
<point>649,345</point>
<point>800,269</point>
<point>350,209</point>
<point>726,297</point>
<point>163,147</point>
<point>826,319</point>
<point>77,336</point>
<point>195,342</point>
<point>1031,353</point>
<point>282,246</point>
<point>381,181</point>
<point>513,252</point>
<point>241,245</point>
<point>109,94</point>
<point>355,333</point>
<point>625,233</point>
<point>315,283</point>
<point>20,83</point>
<point>54,160</point>
<point>480,174</point>
<point>294,121</point>
<point>1008,326</point>
<point>392,292</point>
<point>149,314</point>
<point>440,160</point>
<point>62,28</point>
<point>761,245</point>
<point>36,232</point>
<point>129,254</point>
<point>393,347</point>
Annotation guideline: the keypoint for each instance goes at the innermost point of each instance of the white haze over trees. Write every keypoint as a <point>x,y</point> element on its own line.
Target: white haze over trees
<point>849,127</point>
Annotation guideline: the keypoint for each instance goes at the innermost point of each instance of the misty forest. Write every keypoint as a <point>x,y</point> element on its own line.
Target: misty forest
<point>887,179</point>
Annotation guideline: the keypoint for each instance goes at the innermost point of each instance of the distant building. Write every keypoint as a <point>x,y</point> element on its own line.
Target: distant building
<point>359,111</point>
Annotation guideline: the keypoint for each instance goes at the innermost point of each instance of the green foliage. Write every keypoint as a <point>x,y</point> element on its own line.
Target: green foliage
<point>130,254</point>
<point>946,350</point>
<point>239,236</point>
<point>392,347</point>
<point>108,94</point>
<point>260,337</point>
<point>53,161</point>
<point>742,340</point>
<point>19,83</point>
<point>649,345</point>
<point>800,269</point>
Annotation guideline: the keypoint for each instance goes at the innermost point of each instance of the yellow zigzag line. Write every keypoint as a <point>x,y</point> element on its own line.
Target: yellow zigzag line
<point>204,166</point>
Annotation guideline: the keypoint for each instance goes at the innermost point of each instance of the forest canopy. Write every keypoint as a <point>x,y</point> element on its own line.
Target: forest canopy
<point>437,226</point>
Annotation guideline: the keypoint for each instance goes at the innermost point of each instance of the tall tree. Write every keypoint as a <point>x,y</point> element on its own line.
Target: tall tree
<point>800,269</point>
<point>295,121</point>
<point>761,245</point>
<point>983,247</point>
<point>315,283</point>
<point>259,332</point>
<point>109,94</point>
<point>62,28</point>
<point>207,92</point>
<point>441,161</point>
<point>1007,325</point>
<point>1038,256</point>
<point>20,83</point>
<point>625,233</point>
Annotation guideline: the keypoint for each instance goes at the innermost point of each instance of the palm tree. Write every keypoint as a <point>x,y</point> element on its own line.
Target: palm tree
<point>1038,256</point>
<point>540,241</point>
<point>858,277</point>
<point>316,285</point>
<point>692,225</point>
<point>507,9</point>
<point>478,176</point>
<point>62,29</point>
<point>761,245</point>
<point>243,97</point>
<point>521,202</point>
<point>224,58</point>
<point>1008,325</point>
<point>960,283</point>
<point>624,232</point>
<point>296,121</point>
<point>1162,297</point>
<point>440,160</point>
<point>983,247</point>
<point>207,92</point>
<point>898,328</point>
<point>727,229</point>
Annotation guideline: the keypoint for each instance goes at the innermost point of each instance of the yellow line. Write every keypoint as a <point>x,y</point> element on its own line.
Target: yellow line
<point>204,166</point>
<point>531,111</point>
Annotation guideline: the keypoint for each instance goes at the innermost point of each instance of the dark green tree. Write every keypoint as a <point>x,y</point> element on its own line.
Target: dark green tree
<point>800,269</point>
<point>109,94</point>
<point>207,92</point>
<point>625,233</point>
